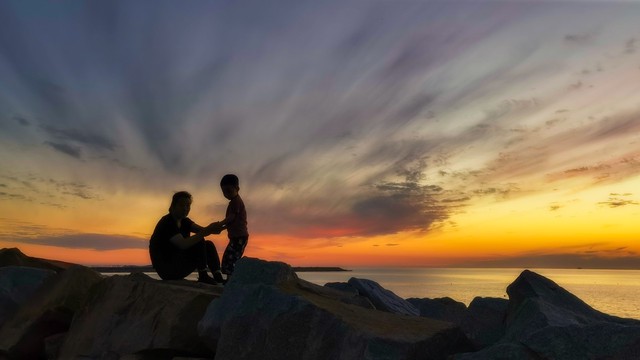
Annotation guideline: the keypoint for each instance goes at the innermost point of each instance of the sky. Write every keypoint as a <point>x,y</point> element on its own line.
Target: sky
<point>364,133</point>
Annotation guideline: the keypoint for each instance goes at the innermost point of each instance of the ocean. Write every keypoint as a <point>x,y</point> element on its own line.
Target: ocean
<point>614,292</point>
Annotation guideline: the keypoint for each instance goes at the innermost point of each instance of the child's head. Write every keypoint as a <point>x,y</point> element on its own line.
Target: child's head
<point>230,186</point>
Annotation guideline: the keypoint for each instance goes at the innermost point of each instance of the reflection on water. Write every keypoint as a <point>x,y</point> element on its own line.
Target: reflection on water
<point>615,292</point>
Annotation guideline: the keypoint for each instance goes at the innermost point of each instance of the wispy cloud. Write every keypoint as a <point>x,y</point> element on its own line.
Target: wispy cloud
<point>617,200</point>
<point>391,119</point>
<point>30,233</point>
<point>588,256</point>
<point>67,149</point>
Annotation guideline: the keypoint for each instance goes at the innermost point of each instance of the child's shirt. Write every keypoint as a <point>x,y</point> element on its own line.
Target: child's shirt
<point>236,211</point>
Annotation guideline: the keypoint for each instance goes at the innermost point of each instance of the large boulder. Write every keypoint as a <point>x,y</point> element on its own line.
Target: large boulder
<point>536,303</point>
<point>382,298</point>
<point>548,322</point>
<point>283,317</point>
<point>344,287</point>
<point>445,309</point>
<point>593,341</point>
<point>503,351</point>
<point>484,323</point>
<point>15,257</point>
<point>136,314</point>
<point>48,312</point>
<point>17,285</point>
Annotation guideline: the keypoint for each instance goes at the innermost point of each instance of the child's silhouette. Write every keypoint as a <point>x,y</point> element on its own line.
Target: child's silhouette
<point>235,222</point>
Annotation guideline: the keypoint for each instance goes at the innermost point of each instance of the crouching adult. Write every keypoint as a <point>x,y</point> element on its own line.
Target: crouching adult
<point>176,253</point>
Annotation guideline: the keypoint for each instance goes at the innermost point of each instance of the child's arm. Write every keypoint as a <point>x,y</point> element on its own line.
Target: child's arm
<point>232,213</point>
<point>228,220</point>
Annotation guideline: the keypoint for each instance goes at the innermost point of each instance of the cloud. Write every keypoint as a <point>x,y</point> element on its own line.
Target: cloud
<point>389,120</point>
<point>100,242</point>
<point>29,186</point>
<point>587,260</point>
<point>618,200</point>
<point>95,141</point>
<point>66,149</point>
<point>579,39</point>
<point>26,232</point>
<point>22,121</point>
<point>13,196</point>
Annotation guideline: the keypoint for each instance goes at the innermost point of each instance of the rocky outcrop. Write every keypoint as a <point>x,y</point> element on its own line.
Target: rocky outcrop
<point>283,317</point>
<point>344,287</point>
<point>445,309</point>
<point>382,298</point>
<point>17,285</point>
<point>267,312</point>
<point>484,323</point>
<point>136,314</point>
<point>15,257</point>
<point>48,312</point>
<point>544,321</point>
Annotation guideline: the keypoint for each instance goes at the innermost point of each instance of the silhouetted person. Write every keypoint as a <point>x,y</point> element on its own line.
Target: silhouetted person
<point>175,253</point>
<point>235,222</point>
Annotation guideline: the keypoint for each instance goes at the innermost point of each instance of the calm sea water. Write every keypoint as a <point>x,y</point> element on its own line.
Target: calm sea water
<point>615,292</point>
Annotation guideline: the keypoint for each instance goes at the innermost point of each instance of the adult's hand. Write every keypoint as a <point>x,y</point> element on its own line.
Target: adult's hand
<point>215,228</point>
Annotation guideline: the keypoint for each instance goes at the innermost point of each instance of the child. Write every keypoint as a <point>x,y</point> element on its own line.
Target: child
<point>235,222</point>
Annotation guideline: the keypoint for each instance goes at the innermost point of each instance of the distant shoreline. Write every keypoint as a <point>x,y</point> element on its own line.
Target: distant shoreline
<point>149,268</point>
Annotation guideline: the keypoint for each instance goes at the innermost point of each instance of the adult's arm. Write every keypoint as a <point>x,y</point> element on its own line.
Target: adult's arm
<point>185,243</point>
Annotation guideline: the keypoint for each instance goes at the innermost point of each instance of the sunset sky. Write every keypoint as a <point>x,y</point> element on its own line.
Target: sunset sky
<point>364,133</point>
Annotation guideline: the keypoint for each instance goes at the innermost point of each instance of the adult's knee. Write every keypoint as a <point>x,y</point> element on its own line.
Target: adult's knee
<point>209,245</point>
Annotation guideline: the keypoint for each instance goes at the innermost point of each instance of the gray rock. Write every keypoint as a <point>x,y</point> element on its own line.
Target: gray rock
<point>263,272</point>
<point>536,302</point>
<point>293,319</point>
<point>349,295</point>
<point>49,311</point>
<point>555,324</point>
<point>506,351</point>
<point>579,342</point>
<point>15,257</point>
<point>445,309</point>
<point>344,287</point>
<point>382,298</point>
<point>484,324</point>
<point>135,314</point>
<point>52,345</point>
<point>17,285</point>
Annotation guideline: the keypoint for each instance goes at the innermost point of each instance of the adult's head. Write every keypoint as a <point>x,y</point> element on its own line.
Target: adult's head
<point>180,204</point>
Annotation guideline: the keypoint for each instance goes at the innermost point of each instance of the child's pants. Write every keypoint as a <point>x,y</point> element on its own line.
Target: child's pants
<point>233,253</point>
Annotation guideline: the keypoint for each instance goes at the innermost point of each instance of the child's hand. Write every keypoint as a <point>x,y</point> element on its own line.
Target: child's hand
<point>215,227</point>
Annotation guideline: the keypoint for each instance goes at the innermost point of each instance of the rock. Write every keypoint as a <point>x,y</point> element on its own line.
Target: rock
<point>17,285</point>
<point>344,287</point>
<point>593,341</point>
<point>555,324</point>
<point>49,311</point>
<point>382,298</point>
<point>349,295</point>
<point>536,302</point>
<point>134,314</point>
<point>484,324</point>
<point>52,345</point>
<point>445,309</point>
<point>15,257</point>
<point>506,351</point>
<point>292,319</point>
<point>264,272</point>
